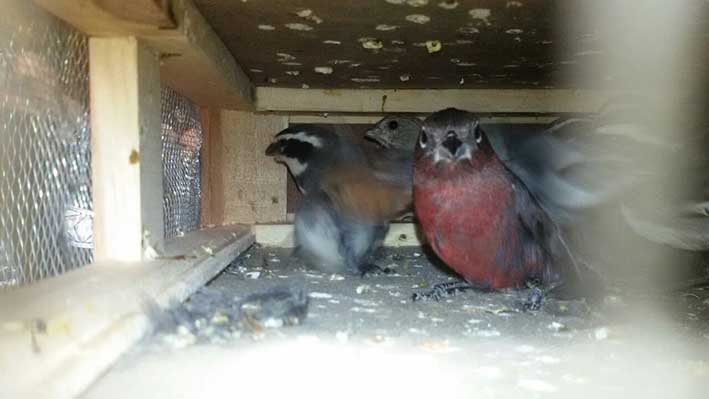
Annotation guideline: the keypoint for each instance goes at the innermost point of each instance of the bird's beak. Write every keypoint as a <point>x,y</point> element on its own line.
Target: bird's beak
<point>376,136</point>
<point>273,149</point>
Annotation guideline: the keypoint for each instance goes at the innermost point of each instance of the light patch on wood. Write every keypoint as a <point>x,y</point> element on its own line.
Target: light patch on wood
<point>251,179</point>
<point>281,235</point>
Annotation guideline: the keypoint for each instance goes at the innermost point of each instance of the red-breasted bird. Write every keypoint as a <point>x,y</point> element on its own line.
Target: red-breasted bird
<point>501,208</point>
<point>348,202</point>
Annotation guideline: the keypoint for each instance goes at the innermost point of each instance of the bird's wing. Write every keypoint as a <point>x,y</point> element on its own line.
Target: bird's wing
<point>356,191</point>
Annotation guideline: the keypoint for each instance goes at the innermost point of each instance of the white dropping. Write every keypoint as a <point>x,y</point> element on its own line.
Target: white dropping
<point>365,80</point>
<point>404,77</point>
<point>323,70</point>
<point>292,63</point>
<point>256,70</point>
<point>371,43</point>
<point>307,14</point>
<point>305,86</point>
<point>418,18</point>
<point>293,73</point>
<point>468,30</point>
<point>514,4</point>
<point>298,26</point>
<point>466,64</point>
<point>385,27</point>
<point>481,14</point>
<point>417,3</point>
<point>514,31</point>
<point>398,42</point>
<point>266,27</point>
<point>397,2</point>
<point>462,81</point>
<point>338,62</point>
<point>448,5</point>
<point>333,42</point>
<point>284,57</point>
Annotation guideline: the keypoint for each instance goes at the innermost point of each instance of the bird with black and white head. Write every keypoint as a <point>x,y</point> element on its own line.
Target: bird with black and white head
<point>345,213</point>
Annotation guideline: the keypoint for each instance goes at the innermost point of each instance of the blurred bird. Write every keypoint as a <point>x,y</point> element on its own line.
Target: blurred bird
<point>500,208</point>
<point>396,132</point>
<point>396,136</point>
<point>348,203</point>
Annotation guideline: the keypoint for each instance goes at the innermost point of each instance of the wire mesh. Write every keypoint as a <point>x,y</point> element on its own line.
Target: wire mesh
<point>181,143</point>
<point>45,197</point>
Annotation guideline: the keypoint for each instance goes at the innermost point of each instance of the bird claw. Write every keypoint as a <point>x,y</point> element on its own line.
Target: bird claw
<point>442,291</point>
<point>534,300</point>
<point>372,269</point>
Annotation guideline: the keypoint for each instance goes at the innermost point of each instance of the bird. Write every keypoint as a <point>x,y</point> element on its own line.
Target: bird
<point>398,132</point>
<point>502,209</point>
<point>396,137</point>
<point>347,203</point>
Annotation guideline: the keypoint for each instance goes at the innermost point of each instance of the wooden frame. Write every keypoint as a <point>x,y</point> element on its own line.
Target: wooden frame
<point>426,101</point>
<point>126,149</point>
<point>194,61</point>
<point>59,334</point>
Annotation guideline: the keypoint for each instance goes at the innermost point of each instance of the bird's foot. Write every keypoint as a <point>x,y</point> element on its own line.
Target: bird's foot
<point>371,269</point>
<point>537,292</point>
<point>442,291</point>
<point>533,302</point>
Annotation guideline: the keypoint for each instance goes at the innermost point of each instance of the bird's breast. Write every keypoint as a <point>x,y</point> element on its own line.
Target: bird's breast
<point>465,214</point>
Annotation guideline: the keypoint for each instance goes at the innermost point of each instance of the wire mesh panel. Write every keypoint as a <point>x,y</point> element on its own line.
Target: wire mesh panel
<point>181,143</point>
<point>45,199</point>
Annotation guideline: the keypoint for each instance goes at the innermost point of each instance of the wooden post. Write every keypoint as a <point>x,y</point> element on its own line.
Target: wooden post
<point>126,148</point>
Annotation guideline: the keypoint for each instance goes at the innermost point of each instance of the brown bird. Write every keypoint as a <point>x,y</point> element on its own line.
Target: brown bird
<point>350,196</point>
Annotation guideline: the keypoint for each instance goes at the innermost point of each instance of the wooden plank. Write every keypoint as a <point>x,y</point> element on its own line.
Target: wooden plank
<point>126,148</point>
<point>212,169</point>
<point>281,235</point>
<point>371,119</point>
<point>194,61</point>
<point>60,334</point>
<point>426,101</point>
<point>148,12</point>
<point>254,189</point>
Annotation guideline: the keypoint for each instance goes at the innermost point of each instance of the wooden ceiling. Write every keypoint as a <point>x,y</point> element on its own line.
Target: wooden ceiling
<point>421,43</point>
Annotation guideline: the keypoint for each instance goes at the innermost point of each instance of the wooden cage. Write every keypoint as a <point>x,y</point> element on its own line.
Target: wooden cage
<point>236,61</point>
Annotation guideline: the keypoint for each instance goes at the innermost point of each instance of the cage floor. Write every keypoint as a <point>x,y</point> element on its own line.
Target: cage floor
<point>364,336</point>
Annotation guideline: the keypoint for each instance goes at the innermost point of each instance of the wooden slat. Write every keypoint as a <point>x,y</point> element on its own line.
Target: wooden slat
<point>425,101</point>
<point>371,119</point>
<point>126,148</point>
<point>149,12</point>
<point>194,61</point>
<point>281,235</point>
<point>60,334</point>
<point>212,169</point>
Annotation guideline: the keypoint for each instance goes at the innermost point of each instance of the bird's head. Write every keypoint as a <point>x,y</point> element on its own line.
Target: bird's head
<point>306,151</point>
<point>398,132</point>
<point>450,136</point>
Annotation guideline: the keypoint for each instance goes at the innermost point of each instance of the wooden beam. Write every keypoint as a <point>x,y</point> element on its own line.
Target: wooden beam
<point>126,148</point>
<point>212,169</point>
<point>371,119</point>
<point>254,189</point>
<point>426,101</point>
<point>58,335</point>
<point>194,61</point>
<point>281,235</point>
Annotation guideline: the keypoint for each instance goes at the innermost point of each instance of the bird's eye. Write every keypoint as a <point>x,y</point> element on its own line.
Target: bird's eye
<point>423,139</point>
<point>478,135</point>
<point>393,125</point>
